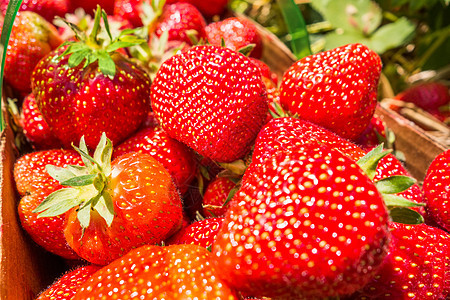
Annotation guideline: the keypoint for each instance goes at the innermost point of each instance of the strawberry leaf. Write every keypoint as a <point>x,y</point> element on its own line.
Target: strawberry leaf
<point>405,216</point>
<point>394,184</point>
<point>106,63</point>
<point>369,162</point>
<point>84,216</point>
<point>58,202</point>
<point>105,208</point>
<point>82,180</point>
<point>398,201</point>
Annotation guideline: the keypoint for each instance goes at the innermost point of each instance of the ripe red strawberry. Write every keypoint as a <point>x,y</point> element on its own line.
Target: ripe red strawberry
<point>212,99</point>
<point>208,8</point>
<point>35,129</point>
<point>130,10</point>
<point>65,287</point>
<point>178,19</point>
<point>155,272</point>
<point>430,96</point>
<point>48,9</point>
<point>34,184</point>
<point>266,72</point>
<point>216,194</point>
<point>237,33</point>
<point>91,6</point>
<point>84,91</point>
<point>415,267</point>
<point>31,39</point>
<point>114,207</point>
<point>202,233</point>
<point>436,188</point>
<point>178,159</point>
<point>306,224</point>
<point>336,89</point>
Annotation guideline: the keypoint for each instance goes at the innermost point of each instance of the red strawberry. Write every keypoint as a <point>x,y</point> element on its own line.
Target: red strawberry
<point>373,135</point>
<point>415,267</point>
<point>336,89</point>
<point>154,272</point>
<point>34,126</point>
<point>90,6</point>
<point>436,188</point>
<point>178,19</point>
<point>202,233</point>
<point>66,286</point>
<point>130,10</point>
<point>430,96</point>
<point>208,8</point>
<point>48,9</point>
<point>216,195</point>
<point>80,97</point>
<point>174,156</point>
<point>237,33</point>
<point>32,38</point>
<point>266,72</point>
<point>114,207</point>
<point>306,224</point>
<point>34,184</point>
<point>212,99</point>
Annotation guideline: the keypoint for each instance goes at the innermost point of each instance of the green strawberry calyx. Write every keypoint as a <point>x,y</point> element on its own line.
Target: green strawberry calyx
<point>91,48</point>
<point>398,206</point>
<point>85,186</point>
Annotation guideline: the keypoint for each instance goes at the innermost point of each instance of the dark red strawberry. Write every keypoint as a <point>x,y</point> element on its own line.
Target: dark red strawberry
<point>32,38</point>
<point>113,207</point>
<point>236,33</point>
<point>216,195</point>
<point>415,268</point>
<point>208,8</point>
<point>178,20</point>
<point>155,272</point>
<point>130,10</point>
<point>436,188</point>
<point>265,70</point>
<point>373,135</point>
<point>66,286</point>
<point>35,129</point>
<point>48,9</point>
<point>336,89</point>
<point>306,224</point>
<point>85,91</point>
<point>178,159</point>
<point>202,233</point>
<point>212,99</point>
<point>433,97</point>
<point>90,6</point>
<point>34,184</point>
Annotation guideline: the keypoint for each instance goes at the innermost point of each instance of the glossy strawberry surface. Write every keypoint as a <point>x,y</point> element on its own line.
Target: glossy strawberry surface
<point>336,89</point>
<point>202,233</point>
<point>436,188</point>
<point>306,224</point>
<point>155,272</point>
<point>216,195</point>
<point>48,9</point>
<point>212,99</point>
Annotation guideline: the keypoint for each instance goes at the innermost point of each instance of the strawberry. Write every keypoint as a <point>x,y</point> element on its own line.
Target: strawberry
<point>32,38</point>
<point>178,19</point>
<point>208,8</point>
<point>90,6</point>
<point>155,272</point>
<point>373,135</point>
<point>48,9</point>
<point>66,286</point>
<point>415,267</point>
<point>216,195</point>
<point>212,99</point>
<point>433,97</point>
<point>113,207</point>
<point>84,91</point>
<point>202,233</point>
<point>436,188</point>
<point>306,224</point>
<point>34,184</point>
<point>34,126</point>
<point>173,155</point>
<point>130,10</point>
<point>336,89</point>
<point>236,33</point>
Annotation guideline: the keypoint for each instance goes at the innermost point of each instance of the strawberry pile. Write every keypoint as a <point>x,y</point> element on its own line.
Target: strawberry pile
<point>167,161</point>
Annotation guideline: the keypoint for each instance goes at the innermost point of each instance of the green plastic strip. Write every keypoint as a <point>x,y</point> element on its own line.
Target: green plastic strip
<point>296,26</point>
<point>11,12</point>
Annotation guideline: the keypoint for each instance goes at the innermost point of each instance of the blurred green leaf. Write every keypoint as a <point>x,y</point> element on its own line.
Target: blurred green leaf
<point>392,35</point>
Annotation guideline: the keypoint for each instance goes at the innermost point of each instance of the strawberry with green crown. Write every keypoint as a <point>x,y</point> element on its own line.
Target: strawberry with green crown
<point>113,207</point>
<point>87,87</point>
